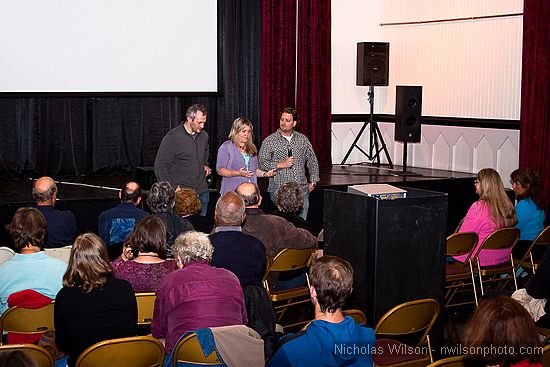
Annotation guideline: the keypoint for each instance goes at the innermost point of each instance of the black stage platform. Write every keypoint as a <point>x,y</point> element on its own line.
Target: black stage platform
<point>87,197</point>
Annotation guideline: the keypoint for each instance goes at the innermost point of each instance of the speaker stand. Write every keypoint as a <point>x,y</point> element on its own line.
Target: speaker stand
<point>377,144</point>
<point>404,172</point>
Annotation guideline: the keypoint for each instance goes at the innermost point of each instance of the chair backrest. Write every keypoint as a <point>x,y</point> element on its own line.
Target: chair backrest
<point>135,351</point>
<point>546,356</point>
<point>291,259</point>
<point>500,239</point>
<point>27,320</point>
<point>461,243</point>
<point>6,253</point>
<point>458,361</point>
<point>543,238</point>
<point>145,307</point>
<point>188,350</point>
<point>37,354</point>
<point>61,253</point>
<point>414,317</point>
<point>357,315</point>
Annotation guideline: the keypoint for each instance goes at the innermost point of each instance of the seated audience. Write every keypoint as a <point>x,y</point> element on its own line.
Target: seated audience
<point>149,264</point>
<point>331,285</point>
<point>538,293</point>
<point>30,268</point>
<point>197,295</point>
<point>501,333</point>
<point>161,201</point>
<point>289,198</point>
<point>238,252</point>
<point>529,209</point>
<point>116,224</point>
<point>61,224</point>
<point>188,206</point>
<point>492,211</point>
<point>93,305</point>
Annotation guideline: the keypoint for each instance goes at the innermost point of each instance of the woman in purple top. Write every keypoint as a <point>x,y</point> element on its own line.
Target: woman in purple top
<point>238,157</point>
<point>148,243</point>
<point>492,211</point>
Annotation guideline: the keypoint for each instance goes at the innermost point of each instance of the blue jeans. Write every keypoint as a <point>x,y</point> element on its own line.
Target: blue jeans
<point>204,197</point>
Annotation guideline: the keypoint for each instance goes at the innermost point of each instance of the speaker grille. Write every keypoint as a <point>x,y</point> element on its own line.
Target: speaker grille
<point>373,63</point>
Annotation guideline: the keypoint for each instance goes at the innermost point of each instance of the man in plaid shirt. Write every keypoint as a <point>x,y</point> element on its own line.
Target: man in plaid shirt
<point>289,152</point>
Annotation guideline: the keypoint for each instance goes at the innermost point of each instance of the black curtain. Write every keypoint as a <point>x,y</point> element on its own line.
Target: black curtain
<point>85,136</point>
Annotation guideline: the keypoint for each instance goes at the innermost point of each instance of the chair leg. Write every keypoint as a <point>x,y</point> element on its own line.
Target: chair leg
<point>480,279</point>
<point>473,282</point>
<point>514,272</point>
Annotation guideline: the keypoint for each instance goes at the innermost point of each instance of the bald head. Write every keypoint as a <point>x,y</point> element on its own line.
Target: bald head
<point>130,193</point>
<point>44,191</point>
<point>229,210</point>
<point>250,193</point>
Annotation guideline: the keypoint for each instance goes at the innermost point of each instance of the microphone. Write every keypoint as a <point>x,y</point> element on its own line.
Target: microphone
<point>289,151</point>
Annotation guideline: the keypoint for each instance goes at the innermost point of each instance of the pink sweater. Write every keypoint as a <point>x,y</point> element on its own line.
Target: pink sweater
<point>478,219</point>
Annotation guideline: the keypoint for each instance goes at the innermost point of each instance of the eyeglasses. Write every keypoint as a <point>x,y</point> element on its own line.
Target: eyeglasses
<point>476,182</point>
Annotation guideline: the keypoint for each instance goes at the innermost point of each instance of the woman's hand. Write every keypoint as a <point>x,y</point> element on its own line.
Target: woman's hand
<point>244,173</point>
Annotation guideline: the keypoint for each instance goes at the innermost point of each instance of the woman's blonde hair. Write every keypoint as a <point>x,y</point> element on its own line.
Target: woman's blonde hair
<point>491,191</point>
<point>89,265</point>
<point>238,125</point>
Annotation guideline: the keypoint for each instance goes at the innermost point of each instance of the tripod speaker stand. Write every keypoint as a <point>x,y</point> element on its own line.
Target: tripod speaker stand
<point>376,143</point>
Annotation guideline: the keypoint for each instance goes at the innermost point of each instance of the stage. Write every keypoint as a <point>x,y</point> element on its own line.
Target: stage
<point>87,197</point>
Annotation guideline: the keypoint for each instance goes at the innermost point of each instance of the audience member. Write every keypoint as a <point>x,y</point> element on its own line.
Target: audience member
<point>288,201</point>
<point>529,209</point>
<point>319,345</point>
<point>61,224</point>
<point>161,201</point>
<point>149,265</point>
<point>197,295</point>
<point>93,305</point>
<point>538,293</point>
<point>492,211</point>
<point>15,358</point>
<point>501,333</point>
<point>30,268</point>
<point>241,253</point>
<point>237,160</point>
<point>188,206</point>
<point>116,224</point>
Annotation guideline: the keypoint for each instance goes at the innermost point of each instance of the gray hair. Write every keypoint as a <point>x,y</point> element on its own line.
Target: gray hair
<point>162,198</point>
<point>230,209</point>
<point>193,246</point>
<point>193,109</point>
<point>289,197</point>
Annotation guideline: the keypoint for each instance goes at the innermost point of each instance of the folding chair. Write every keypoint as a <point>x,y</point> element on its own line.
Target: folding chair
<point>37,354</point>
<point>135,351</point>
<point>503,238</point>
<point>357,315</point>
<point>410,319</point>
<point>188,350</point>
<point>27,320</point>
<point>289,260</point>
<point>460,275</point>
<point>458,361</point>
<point>527,261</point>
<point>145,307</point>
<point>546,356</point>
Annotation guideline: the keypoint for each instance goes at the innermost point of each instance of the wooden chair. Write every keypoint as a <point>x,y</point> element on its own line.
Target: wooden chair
<point>145,307</point>
<point>188,350</point>
<point>37,354</point>
<point>459,276</point>
<point>527,261</point>
<point>288,260</point>
<point>27,321</point>
<point>458,361</point>
<point>135,351</point>
<point>503,238</point>
<point>410,319</point>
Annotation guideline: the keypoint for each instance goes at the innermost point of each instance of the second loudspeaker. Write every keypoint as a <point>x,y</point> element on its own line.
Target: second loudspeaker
<point>408,113</point>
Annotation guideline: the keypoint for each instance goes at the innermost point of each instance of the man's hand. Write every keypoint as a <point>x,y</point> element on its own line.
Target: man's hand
<point>287,163</point>
<point>207,170</point>
<point>311,186</point>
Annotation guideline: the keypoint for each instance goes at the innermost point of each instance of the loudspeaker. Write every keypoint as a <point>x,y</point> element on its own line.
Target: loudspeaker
<point>145,177</point>
<point>373,63</point>
<point>408,113</point>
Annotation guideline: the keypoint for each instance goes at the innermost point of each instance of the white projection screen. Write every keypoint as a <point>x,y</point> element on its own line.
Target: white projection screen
<point>95,46</point>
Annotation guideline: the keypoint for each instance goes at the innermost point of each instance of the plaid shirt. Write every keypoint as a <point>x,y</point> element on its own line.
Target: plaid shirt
<point>275,149</point>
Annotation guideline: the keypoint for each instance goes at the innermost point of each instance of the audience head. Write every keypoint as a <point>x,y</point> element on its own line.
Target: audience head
<point>250,193</point>
<point>16,358</point>
<point>187,202</point>
<point>490,189</point>
<point>162,198</point>
<point>501,332</point>
<point>192,246</point>
<point>331,280</point>
<point>130,193</point>
<point>526,184</point>
<point>242,132</point>
<point>44,191</point>
<point>149,235</point>
<point>289,197</point>
<point>229,210</point>
<point>28,227</point>
<point>89,265</point>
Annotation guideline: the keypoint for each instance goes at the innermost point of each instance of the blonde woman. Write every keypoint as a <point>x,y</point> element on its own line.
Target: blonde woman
<point>492,211</point>
<point>238,157</point>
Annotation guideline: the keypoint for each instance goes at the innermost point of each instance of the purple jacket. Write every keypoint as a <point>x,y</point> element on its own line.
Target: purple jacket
<point>231,158</point>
